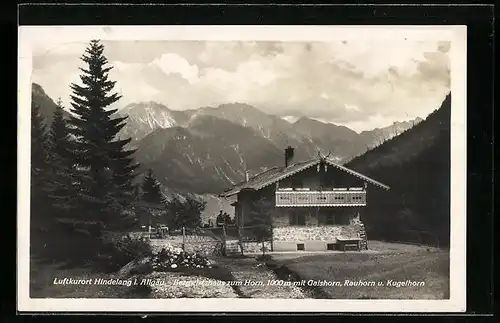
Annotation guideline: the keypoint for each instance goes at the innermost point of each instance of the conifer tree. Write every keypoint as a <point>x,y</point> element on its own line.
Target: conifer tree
<point>62,190</point>
<point>59,143</point>
<point>39,169</point>
<point>96,150</point>
<point>151,194</point>
<point>39,145</point>
<point>151,189</point>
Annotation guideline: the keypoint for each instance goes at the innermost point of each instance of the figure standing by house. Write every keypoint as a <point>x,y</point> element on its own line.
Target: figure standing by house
<point>219,222</point>
<point>227,218</point>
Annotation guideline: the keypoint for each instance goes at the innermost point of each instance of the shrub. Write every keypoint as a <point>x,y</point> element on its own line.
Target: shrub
<point>174,259</point>
<point>118,250</point>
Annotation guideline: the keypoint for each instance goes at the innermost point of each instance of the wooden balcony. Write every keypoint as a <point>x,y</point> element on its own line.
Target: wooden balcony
<point>306,198</point>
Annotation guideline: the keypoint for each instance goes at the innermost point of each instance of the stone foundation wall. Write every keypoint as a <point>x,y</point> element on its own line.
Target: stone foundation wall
<point>322,233</point>
<point>313,231</point>
<point>256,246</point>
<point>204,247</point>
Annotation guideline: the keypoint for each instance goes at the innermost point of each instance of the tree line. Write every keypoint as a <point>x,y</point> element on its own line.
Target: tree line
<point>175,212</point>
<point>417,207</point>
<point>83,194</point>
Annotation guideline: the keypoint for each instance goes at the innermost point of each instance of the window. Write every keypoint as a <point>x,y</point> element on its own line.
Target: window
<point>333,219</point>
<point>300,247</point>
<point>330,246</point>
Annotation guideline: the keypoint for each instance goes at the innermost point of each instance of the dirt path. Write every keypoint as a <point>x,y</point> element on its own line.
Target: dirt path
<point>256,280</point>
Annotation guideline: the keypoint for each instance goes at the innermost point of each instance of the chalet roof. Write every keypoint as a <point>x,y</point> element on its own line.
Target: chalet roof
<point>278,173</point>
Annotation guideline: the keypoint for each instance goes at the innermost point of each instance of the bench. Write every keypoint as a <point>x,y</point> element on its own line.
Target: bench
<point>349,244</point>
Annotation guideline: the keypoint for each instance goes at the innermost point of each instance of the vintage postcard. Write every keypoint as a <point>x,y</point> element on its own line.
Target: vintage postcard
<point>242,169</point>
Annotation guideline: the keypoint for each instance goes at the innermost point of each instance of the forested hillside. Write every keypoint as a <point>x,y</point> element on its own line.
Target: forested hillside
<point>416,165</point>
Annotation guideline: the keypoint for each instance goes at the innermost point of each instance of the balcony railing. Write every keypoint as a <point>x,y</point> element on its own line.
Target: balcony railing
<point>334,197</point>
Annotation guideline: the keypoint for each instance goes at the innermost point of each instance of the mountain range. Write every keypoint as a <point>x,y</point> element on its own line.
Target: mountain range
<point>205,150</point>
<point>47,105</point>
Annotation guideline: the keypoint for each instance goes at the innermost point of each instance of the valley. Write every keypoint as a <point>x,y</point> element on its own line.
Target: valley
<point>203,151</point>
<point>206,150</point>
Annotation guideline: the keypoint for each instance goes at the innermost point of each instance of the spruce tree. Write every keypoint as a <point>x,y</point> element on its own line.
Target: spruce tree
<point>59,140</point>
<point>96,150</point>
<point>152,195</point>
<point>62,190</point>
<point>40,171</point>
<point>39,146</point>
<point>151,189</point>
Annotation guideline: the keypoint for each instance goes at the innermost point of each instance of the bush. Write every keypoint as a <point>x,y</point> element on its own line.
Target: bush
<point>118,250</point>
<point>175,259</point>
<point>63,245</point>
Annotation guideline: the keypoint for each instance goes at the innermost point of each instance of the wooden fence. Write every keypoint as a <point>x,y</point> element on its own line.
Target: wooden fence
<point>207,241</point>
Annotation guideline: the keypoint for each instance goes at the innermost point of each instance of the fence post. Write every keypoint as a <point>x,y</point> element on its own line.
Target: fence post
<point>272,238</point>
<point>224,243</point>
<point>183,238</point>
<point>241,232</point>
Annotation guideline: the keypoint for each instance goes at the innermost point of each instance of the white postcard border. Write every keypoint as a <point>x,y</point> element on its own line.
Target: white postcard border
<point>456,34</point>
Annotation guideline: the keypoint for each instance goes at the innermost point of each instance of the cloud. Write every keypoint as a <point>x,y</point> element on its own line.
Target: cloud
<point>172,63</point>
<point>351,107</point>
<point>372,122</point>
<point>357,83</point>
<point>59,49</point>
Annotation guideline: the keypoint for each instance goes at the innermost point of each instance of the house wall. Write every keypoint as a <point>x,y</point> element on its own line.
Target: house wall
<point>237,212</point>
<point>313,235</point>
<point>245,200</point>
<point>314,216</point>
<point>312,179</point>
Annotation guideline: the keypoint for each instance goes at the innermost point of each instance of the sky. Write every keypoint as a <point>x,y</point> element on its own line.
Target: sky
<point>359,84</point>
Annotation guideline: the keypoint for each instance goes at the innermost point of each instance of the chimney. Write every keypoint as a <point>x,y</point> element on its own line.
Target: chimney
<point>289,151</point>
<point>246,176</point>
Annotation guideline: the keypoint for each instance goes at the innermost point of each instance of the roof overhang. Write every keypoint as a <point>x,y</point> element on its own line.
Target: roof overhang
<point>330,162</point>
<point>356,174</point>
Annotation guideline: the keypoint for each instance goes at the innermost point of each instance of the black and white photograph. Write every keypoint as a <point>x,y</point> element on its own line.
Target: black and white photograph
<point>241,168</point>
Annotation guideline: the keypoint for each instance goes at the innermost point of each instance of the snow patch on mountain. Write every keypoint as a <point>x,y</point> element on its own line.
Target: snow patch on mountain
<point>291,119</point>
<point>145,117</point>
